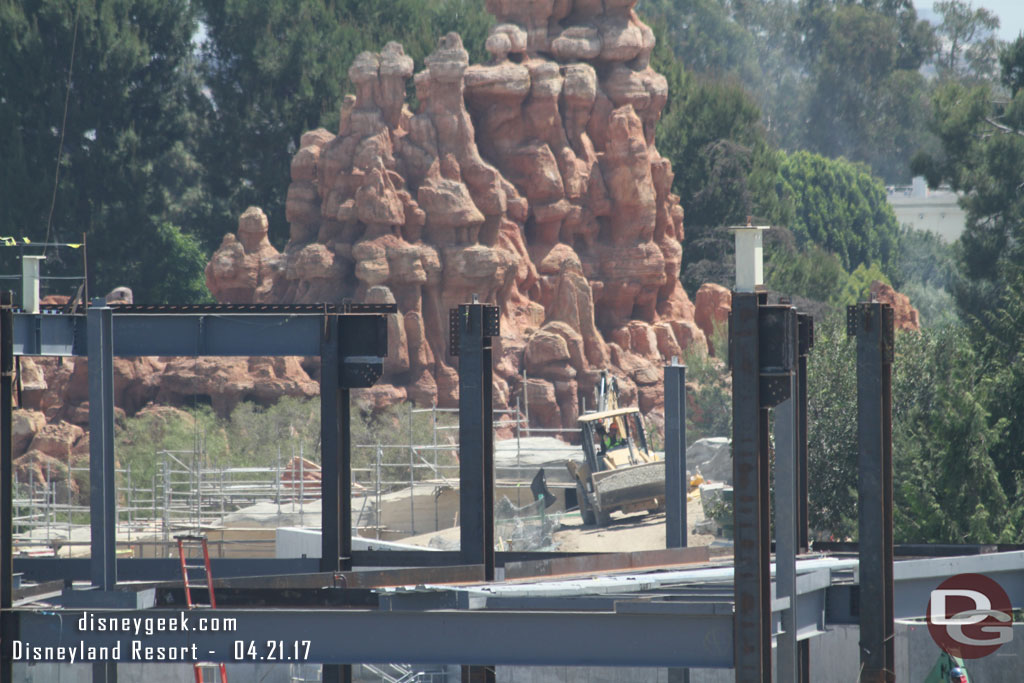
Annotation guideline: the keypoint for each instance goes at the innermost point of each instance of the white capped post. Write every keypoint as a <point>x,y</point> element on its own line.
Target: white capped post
<point>749,256</point>
<point>30,283</point>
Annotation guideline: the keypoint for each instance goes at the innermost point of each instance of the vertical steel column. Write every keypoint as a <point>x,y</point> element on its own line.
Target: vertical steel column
<point>806,343</point>
<point>472,514</point>
<point>888,355</point>
<point>102,481</point>
<point>102,484</point>
<point>752,644</point>
<point>336,471</point>
<point>330,448</point>
<point>471,329</point>
<point>787,522</point>
<point>478,674</point>
<point>7,634</point>
<point>675,472</point>
<point>871,324</point>
<point>336,673</point>
<point>487,403</point>
<point>104,672</point>
<point>675,455</point>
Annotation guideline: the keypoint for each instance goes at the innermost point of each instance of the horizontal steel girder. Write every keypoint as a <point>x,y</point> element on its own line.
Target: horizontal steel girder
<point>181,334</point>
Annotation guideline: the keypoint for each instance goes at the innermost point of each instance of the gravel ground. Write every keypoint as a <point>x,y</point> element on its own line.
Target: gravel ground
<point>626,533</point>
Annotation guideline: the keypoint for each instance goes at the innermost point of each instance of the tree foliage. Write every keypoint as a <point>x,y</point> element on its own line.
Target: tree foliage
<point>126,144</point>
<point>948,487</point>
<point>970,47</point>
<point>841,207</point>
<point>277,68</point>
<point>1011,65</point>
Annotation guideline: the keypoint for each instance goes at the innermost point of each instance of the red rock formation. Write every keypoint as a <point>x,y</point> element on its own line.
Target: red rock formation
<point>531,181</point>
<point>905,316</point>
<point>714,302</point>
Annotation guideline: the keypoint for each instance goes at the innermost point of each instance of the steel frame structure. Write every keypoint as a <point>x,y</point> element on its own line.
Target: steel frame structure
<point>676,617</point>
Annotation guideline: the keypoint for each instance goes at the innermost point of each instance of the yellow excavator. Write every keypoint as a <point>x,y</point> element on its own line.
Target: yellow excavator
<point>619,472</point>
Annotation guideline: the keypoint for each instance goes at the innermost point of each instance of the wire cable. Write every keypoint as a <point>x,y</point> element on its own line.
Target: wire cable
<point>63,128</point>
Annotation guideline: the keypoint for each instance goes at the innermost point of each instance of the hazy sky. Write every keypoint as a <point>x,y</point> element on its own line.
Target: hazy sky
<point>1010,13</point>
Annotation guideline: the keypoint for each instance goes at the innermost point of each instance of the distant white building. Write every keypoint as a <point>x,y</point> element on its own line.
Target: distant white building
<point>924,209</point>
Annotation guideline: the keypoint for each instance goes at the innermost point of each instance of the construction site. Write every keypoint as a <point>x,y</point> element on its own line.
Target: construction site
<point>479,307</point>
<point>514,564</point>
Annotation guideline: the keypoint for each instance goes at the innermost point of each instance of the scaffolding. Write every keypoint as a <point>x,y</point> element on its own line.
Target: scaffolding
<point>189,494</point>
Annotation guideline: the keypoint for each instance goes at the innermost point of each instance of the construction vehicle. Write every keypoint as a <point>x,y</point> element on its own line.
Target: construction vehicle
<point>619,472</point>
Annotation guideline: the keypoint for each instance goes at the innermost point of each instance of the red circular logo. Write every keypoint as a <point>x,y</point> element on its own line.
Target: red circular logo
<point>970,616</point>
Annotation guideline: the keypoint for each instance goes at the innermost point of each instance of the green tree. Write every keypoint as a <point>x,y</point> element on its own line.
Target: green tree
<point>832,432</point>
<point>1011,65</point>
<point>864,91</point>
<point>925,272</point>
<point>841,207</point>
<point>947,484</point>
<point>813,273</point>
<point>724,168</point>
<point>970,48</point>
<point>100,109</point>
<point>278,68</point>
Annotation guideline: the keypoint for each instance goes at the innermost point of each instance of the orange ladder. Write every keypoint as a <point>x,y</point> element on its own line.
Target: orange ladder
<point>191,542</point>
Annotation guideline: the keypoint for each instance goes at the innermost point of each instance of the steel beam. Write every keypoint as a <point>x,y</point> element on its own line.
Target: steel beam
<point>330,448</point>
<point>7,633</point>
<point>336,470</point>
<point>102,482</point>
<point>190,334</point>
<point>805,344</point>
<point>661,635</point>
<point>51,334</point>
<point>786,524</point>
<point>753,605</point>
<point>478,674</point>
<point>675,456</point>
<point>471,329</point>
<point>872,325</point>
<point>151,569</point>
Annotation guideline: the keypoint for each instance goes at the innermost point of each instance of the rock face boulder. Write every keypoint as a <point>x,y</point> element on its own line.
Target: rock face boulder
<point>714,303</point>
<point>532,181</point>
<point>905,316</point>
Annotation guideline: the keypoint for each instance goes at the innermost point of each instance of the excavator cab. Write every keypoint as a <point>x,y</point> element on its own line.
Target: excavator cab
<point>619,472</point>
<point>617,440</point>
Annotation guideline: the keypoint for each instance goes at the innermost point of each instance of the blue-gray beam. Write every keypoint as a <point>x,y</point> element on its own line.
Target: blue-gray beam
<point>805,322</point>
<point>336,498</point>
<point>660,635</point>
<point>137,334</point>
<point>336,464</point>
<point>786,523</point>
<point>675,456</point>
<point>6,483</point>
<point>41,569</point>
<point>102,483</point>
